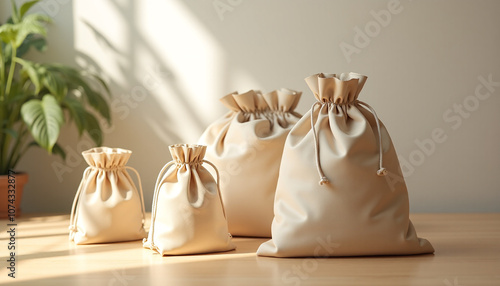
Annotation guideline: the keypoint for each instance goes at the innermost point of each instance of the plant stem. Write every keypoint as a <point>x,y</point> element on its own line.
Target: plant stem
<point>2,110</point>
<point>5,143</point>
<point>5,137</point>
<point>2,74</point>
<point>18,142</point>
<point>11,69</point>
<point>16,153</point>
<point>5,151</point>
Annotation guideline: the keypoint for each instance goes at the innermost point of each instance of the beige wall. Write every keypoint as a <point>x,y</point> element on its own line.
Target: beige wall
<point>168,62</point>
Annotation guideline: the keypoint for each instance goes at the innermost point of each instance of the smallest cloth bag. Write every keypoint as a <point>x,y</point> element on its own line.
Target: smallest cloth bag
<point>107,205</point>
<point>187,214</point>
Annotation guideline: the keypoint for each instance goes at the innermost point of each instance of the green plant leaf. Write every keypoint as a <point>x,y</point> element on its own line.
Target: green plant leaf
<point>25,7</point>
<point>94,129</point>
<point>44,119</point>
<point>36,41</point>
<point>34,144</point>
<point>77,113</point>
<point>11,132</point>
<point>8,33</point>
<point>6,53</point>
<point>78,81</point>
<point>15,13</point>
<point>98,103</point>
<point>31,24</point>
<point>54,83</point>
<point>17,32</point>
<point>58,150</point>
<point>39,43</point>
<point>103,84</point>
<point>30,69</point>
<point>16,96</point>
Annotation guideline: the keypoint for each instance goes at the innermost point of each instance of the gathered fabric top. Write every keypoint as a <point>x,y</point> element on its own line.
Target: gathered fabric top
<point>284,100</point>
<point>187,153</point>
<point>106,157</point>
<point>336,88</point>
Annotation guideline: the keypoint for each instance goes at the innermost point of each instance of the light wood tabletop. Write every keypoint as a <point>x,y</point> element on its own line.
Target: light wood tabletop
<point>467,253</point>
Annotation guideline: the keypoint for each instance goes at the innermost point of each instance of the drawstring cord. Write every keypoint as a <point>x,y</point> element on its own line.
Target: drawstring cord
<point>155,202</point>
<point>141,194</point>
<point>218,187</point>
<point>156,194</point>
<point>74,209</point>
<point>218,190</point>
<point>381,171</point>
<point>323,179</point>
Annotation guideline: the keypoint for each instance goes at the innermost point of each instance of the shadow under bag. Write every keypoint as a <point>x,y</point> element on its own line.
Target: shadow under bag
<point>187,214</point>
<point>340,190</point>
<point>246,145</point>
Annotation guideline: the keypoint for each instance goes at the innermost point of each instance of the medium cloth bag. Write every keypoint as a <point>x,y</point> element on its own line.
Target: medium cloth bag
<point>107,205</point>
<point>246,145</point>
<point>341,191</point>
<point>187,214</point>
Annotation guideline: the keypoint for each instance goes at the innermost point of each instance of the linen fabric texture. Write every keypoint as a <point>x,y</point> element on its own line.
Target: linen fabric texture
<point>187,214</point>
<point>107,207</point>
<point>340,190</point>
<point>246,145</point>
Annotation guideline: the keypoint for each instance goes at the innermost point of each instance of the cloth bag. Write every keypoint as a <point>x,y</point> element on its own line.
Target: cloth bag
<point>246,145</point>
<point>187,214</point>
<point>107,205</point>
<point>360,206</point>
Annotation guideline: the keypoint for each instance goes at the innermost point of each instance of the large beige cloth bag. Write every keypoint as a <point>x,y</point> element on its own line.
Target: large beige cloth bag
<point>107,205</point>
<point>187,214</point>
<point>360,205</point>
<point>246,145</point>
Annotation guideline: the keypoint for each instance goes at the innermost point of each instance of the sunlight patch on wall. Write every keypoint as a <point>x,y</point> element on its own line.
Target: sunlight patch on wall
<point>183,48</point>
<point>167,68</point>
<point>102,36</point>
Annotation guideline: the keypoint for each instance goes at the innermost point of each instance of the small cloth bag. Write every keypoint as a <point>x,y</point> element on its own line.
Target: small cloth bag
<point>187,214</point>
<point>246,145</point>
<point>360,206</point>
<point>107,206</point>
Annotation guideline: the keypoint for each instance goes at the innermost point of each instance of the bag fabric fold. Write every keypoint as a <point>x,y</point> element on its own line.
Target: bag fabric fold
<point>187,214</point>
<point>341,191</point>
<point>107,206</point>
<point>246,145</point>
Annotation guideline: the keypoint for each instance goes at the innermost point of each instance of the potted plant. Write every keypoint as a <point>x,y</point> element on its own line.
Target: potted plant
<point>37,99</point>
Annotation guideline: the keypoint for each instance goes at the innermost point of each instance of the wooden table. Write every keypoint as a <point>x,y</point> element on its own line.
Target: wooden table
<point>467,254</point>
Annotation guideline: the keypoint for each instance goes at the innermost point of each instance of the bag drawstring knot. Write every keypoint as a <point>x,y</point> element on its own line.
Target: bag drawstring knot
<point>381,170</point>
<point>323,179</point>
